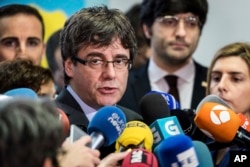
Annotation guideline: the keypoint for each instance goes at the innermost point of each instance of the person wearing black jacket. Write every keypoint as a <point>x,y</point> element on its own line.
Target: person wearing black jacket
<point>98,46</point>
<point>173,29</point>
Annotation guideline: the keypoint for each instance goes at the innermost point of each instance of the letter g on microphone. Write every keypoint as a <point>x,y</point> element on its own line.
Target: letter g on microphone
<point>172,128</point>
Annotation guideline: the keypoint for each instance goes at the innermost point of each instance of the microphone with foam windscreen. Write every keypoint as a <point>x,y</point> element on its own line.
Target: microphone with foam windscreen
<point>185,117</point>
<point>64,120</point>
<point>153,106</point>
<point>211,98</point>
<point>170,100</point>
<point>220,123</point>
<point>136,134</point>
<point>21,93</point>
<point>164,128</point>
<point>244,122</point>
<point>106,126</point>
<point>197,133</point>
<point>156,113</point>
<point>4,97</point>
<point>176,151</point>
<point>203,154</point>
<point>140,158</point>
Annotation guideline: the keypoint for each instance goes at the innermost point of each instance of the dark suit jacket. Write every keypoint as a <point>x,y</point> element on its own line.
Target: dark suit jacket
<point>138,86</point>
<point>69,105</point>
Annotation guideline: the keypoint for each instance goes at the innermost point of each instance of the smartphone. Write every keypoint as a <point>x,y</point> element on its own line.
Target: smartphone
<point>76,133</point>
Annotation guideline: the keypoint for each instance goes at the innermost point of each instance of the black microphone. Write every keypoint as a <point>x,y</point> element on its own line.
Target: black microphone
<point>156,105</point>
<point>153,106</point>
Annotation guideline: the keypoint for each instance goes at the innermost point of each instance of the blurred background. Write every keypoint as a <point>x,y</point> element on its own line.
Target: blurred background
<point>228,20</point>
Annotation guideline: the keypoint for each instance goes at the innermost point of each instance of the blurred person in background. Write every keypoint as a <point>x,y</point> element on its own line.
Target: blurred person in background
<point>21,33</point>
<point>173,29</point>
<point>54,59</point>
<point>22,73</point>
<point>30,134</point>
<point>144,52</point>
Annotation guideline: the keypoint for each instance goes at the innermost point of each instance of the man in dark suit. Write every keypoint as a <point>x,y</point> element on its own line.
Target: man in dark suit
<point>97,45</point>
<point>173,29</point>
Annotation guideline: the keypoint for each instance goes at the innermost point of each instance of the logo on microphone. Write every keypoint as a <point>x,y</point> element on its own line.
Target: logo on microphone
<point>187,158</point>
<point>219,115</point>
<point>117,122</point>
<point>172,128</point>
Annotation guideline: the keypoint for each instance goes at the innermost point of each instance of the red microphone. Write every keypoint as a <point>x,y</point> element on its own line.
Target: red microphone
<point>65,121</point>
<point>140,158</point>
<point>245,122</point>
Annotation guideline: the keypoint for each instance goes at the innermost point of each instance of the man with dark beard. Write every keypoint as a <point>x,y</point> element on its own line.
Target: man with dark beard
<point>173,29</point>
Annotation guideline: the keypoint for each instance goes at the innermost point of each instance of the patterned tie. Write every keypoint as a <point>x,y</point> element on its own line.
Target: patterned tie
<point>172,83</point>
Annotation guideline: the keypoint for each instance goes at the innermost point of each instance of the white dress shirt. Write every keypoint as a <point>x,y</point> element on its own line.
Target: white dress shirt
<point>185,81</point>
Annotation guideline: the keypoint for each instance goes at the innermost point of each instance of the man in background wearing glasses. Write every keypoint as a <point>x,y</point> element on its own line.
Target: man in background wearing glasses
<point>173,29</point>
<point>98,45</point>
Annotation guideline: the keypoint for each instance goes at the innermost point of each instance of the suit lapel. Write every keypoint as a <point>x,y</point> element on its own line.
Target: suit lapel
<point>141,85</point>
<point>199,90</point>
<point>70,106</point>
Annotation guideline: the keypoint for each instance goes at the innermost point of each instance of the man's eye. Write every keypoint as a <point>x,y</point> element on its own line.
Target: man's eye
<point>33,43</point>
<point>96,61</point>
<point>10,43</point>
<point>118,61</point>
<point>169,21</point>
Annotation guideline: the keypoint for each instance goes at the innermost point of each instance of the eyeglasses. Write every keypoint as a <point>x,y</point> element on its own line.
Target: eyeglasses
<point>97,63</point>
<point>190,22</point>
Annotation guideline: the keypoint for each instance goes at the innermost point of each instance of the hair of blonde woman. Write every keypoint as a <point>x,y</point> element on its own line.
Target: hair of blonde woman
<point>237,49</point>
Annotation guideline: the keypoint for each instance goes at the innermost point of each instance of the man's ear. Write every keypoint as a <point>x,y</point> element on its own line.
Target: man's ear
<point>68,67</point>
<point>47,163</point>
<point>147,31</point>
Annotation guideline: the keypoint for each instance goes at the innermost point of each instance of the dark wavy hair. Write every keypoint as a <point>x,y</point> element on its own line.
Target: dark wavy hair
<point>22,73</point>
<point>14,9</point>
<point>151,9</point>
<point>30,132</point>
<point>96,26</point>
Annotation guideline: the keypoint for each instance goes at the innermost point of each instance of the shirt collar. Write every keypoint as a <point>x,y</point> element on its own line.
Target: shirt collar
<point>186,73</point>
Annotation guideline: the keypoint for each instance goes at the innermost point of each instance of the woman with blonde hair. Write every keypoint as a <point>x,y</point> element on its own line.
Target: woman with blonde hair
<point>229,78</point>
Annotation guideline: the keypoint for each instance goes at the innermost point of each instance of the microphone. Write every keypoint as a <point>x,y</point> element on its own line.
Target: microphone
<point>165,128</point>
<point>211,98</point>
<point>140,158</point>
<point>214,118</point>
<point>152,102</point>
<point>184,117</point>
<point>155,112</point>
<point>176,150</point>
<point>153,106</point>
<point>4,97</point>
<point>244,122</point>
<point>204,155</point>
<point>170,100</point>
<point>197,133</point>
<point>22,93</point>
<point>136,134</point>
<point>64,120</point>
<point>106,126</point>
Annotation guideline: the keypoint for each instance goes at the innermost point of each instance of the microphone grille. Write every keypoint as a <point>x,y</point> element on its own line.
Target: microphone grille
<point>153,106</point>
